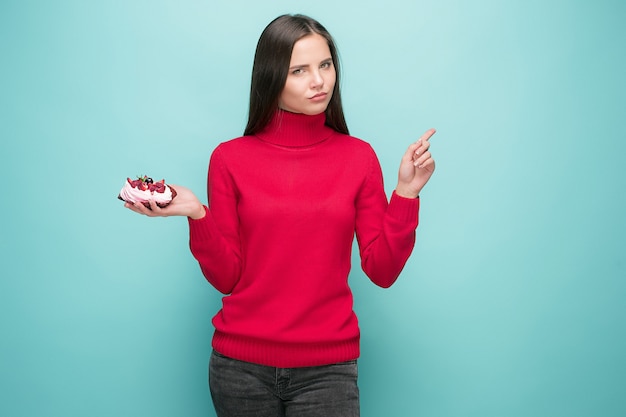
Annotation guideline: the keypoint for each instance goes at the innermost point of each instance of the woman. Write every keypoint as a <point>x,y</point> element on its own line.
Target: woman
<point>286,200</point>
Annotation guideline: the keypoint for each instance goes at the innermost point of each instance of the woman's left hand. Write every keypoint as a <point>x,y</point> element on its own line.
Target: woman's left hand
<point>416,167</point>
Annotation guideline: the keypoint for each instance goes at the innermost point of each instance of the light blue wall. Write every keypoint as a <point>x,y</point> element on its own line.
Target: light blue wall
<point>513,302</point>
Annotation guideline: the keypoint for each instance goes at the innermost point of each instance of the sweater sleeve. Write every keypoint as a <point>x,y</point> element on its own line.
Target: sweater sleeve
<point>385,231</point>
<point>214,239</point>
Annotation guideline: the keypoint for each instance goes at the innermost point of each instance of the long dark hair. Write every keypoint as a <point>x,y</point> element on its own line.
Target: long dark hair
<point>271,65</point>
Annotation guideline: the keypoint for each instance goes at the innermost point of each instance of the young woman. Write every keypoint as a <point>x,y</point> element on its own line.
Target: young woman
<point>285,201</point>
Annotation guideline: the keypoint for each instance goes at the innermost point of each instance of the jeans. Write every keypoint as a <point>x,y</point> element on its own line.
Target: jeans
<point>242,389</point>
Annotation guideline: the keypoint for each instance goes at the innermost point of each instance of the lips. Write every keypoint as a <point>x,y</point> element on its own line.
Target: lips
<point>318,96</point>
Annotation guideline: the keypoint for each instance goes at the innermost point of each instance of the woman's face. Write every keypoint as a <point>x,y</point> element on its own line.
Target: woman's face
<point>311,77</point>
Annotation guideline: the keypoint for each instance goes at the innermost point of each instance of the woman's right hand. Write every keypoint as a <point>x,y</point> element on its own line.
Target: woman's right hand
<point>184,204</point>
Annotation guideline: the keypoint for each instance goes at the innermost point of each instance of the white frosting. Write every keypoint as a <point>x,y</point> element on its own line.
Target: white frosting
<point>135,195</point>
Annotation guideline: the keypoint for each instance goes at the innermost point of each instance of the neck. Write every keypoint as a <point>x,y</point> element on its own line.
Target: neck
<point>295,129</point>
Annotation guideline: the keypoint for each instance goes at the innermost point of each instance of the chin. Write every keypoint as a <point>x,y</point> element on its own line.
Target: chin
<point>313,110</point>
<point>310,109</point>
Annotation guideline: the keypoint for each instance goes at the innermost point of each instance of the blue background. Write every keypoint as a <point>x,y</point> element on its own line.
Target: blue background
<point>513,302</point>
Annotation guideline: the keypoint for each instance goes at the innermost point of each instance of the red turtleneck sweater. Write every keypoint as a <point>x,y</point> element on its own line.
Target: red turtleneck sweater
<point>285,205</point>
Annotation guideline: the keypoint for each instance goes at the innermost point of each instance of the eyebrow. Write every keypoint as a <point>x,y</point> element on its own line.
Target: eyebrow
<point>329,59</point>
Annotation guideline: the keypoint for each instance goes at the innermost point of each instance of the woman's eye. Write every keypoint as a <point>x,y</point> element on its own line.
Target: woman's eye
<point>297,71</point>
<point>326,65</point>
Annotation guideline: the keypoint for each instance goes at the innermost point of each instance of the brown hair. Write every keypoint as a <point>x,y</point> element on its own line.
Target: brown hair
<point>271,65</point>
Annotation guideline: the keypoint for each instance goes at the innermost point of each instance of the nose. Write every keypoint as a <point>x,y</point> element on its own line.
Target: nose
<point>317,80</point>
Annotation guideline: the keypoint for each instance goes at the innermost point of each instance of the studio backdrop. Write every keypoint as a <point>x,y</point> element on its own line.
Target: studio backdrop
<point>512,303</point>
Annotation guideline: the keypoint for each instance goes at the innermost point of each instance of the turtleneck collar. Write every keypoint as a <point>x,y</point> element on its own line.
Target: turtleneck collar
<point>295,130</point>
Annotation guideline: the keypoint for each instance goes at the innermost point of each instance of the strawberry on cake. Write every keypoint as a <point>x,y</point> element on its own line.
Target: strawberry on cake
<point>144,189</point>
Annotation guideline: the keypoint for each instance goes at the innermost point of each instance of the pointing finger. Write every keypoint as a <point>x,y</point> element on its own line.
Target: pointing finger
<point>426,135</point>
<point>423,142</point>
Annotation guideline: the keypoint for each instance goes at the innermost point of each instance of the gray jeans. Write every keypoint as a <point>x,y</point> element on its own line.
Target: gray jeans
<point>242,389</point>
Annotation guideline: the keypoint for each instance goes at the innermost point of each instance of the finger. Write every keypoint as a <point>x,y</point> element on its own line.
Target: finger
<point>144,208</point>
<point>132,207</point>
<point>418,147</point>
<point>141,208</point>
<point>410,152</point>
<point>419,162</point>
<point>422,148</point>
<point>154,208</point>
<point>428,165</point>
<point>424,142</point>
<point>427,135</point>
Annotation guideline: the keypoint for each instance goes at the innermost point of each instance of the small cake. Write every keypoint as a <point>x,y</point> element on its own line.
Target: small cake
<point>144,189</point>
